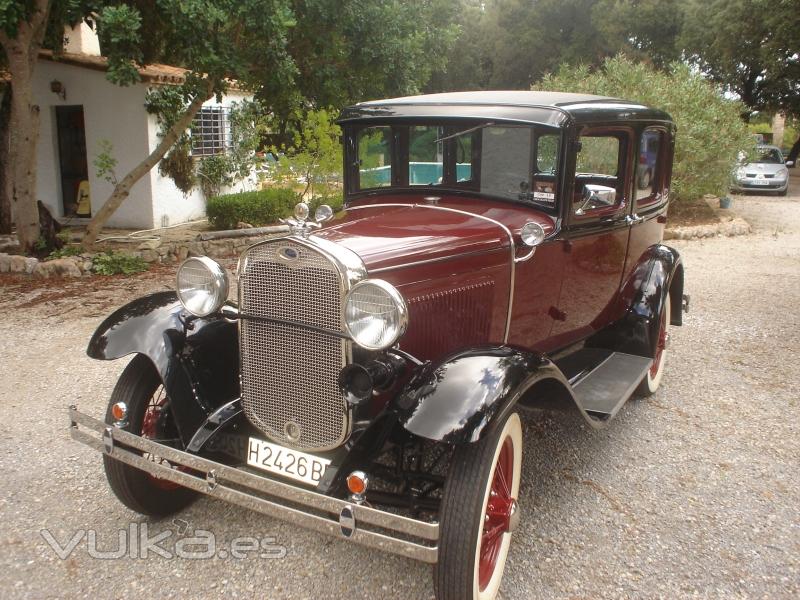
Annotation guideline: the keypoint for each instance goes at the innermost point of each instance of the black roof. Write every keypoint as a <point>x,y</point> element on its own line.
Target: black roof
<point>548,108</point>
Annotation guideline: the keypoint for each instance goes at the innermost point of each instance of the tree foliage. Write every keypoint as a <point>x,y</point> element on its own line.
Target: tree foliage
<point>750,47</point>
<point>710,132</point>
<point>294,54</point>
<point>314,155</point>
<point>249,124</point>
<point>509,44</point>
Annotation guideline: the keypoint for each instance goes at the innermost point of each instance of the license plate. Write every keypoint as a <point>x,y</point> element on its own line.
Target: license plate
<point>283,461</point>
<point>760,182</point>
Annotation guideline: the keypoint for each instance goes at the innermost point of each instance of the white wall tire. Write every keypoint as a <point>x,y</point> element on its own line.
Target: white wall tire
<point>478,515</point>
<point>652,379</point>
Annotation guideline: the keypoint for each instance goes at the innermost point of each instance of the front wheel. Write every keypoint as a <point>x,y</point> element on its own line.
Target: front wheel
<point>149,415</point>
<point>652,379</point>
<point>479,513</point>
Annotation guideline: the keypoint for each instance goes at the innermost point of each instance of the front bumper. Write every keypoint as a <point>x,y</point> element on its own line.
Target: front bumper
<point>745,186</point>
<point>358,523</point>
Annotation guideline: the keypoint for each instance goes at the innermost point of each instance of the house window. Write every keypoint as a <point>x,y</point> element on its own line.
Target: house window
<point>211,131</point>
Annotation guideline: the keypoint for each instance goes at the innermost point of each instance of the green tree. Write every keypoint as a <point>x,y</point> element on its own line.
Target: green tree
<point>710,131</point>
<point>315,153</point>
<point>750,47</point>
<point>470,62</point>
<point>215,40</point>
<point>646,30</point>
<point>346,51</point>
<point>509,44</point>
<point>27,26</point>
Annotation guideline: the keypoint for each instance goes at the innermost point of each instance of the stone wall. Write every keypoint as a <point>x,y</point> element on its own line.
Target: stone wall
<point>152,252</point>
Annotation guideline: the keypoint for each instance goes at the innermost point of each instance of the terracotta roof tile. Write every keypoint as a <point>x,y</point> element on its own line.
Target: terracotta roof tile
<point>152,73</point>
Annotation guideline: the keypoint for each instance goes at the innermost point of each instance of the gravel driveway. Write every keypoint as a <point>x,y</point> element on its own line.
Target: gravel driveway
<point>692,493</point>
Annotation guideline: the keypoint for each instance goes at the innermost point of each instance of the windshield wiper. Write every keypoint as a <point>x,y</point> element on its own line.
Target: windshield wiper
<point>460,133</point>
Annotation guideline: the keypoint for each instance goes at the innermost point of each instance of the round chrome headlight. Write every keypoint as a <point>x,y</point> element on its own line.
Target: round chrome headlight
<point>202,285</point>
<point>375,314</point>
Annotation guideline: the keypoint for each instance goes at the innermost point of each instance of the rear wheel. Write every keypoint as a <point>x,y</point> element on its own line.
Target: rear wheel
<point>478,515</point>
<point>652,380</point>
<point>149,415</point>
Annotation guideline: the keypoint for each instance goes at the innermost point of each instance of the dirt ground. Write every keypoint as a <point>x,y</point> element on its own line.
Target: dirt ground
<point>692,493</point>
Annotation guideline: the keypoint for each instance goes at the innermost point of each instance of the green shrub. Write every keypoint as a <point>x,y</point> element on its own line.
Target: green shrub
<point>114,263</point>
<point>710,133</point>
<point>66,251</point>
<point>333,199</point>
<point>263,207</point>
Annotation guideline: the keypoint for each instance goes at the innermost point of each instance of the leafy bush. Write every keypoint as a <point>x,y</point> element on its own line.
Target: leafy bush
<point>114,263</point>
<point>315,154</point>
<point>710,133</point>
<point>333,199</point>
<point>66,251</point>
<point>214,172</point>
<point>263,207</point>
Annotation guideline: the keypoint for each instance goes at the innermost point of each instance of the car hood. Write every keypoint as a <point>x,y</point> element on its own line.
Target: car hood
<point>766,168</point>
<point>393,235</point>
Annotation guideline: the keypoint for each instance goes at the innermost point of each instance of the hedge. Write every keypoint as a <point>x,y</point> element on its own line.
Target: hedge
<point>259,208</point>
<point>263,207</point>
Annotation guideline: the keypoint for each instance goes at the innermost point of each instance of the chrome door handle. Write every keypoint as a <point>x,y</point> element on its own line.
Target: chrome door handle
<point>634,219</point>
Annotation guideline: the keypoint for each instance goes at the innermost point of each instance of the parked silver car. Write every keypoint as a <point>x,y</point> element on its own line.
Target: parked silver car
<point>767,172</point>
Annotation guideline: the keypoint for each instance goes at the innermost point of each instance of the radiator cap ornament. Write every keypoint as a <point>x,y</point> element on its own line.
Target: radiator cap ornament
<point>299,223</point>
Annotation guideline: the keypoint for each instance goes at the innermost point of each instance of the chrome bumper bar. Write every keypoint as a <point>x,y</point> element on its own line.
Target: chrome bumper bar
<point>358,523</point>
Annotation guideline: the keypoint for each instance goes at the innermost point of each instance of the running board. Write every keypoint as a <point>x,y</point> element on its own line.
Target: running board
<point>604,389</point>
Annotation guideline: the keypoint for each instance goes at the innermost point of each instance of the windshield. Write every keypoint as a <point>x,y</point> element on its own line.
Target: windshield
<point>505,161</point>
<point>768,155</point>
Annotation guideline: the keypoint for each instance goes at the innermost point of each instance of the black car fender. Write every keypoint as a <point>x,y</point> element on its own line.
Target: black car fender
<point>460,398</point>
<point>657,275</point>
<point>197,358</point>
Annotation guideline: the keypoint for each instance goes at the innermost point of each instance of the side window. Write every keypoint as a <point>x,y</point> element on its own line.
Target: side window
<point>598,181</point>
<point>647,165</point>
<point>425,155</point>
<point>374,157</point>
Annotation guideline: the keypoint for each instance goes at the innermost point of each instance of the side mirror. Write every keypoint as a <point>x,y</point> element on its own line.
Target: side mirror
<point>595,196</point>
<point>790,164</point>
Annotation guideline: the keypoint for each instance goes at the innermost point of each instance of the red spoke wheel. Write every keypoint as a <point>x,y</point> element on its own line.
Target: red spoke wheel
<point>652,380</point>
<point>141,389</point>
<point>479,514</point>
<point>156,411</point>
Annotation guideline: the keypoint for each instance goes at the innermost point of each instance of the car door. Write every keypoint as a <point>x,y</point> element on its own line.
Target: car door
<point>650,193</point>
<point>596,236</point>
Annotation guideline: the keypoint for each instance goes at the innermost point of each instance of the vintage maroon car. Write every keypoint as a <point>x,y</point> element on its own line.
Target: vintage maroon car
<point>497,251</point>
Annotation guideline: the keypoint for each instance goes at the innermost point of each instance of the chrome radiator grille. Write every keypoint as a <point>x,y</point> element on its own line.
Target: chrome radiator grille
<point>290,374</point>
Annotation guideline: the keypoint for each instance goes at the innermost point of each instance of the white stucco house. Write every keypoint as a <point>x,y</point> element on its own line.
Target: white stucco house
<point>80,110</point>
